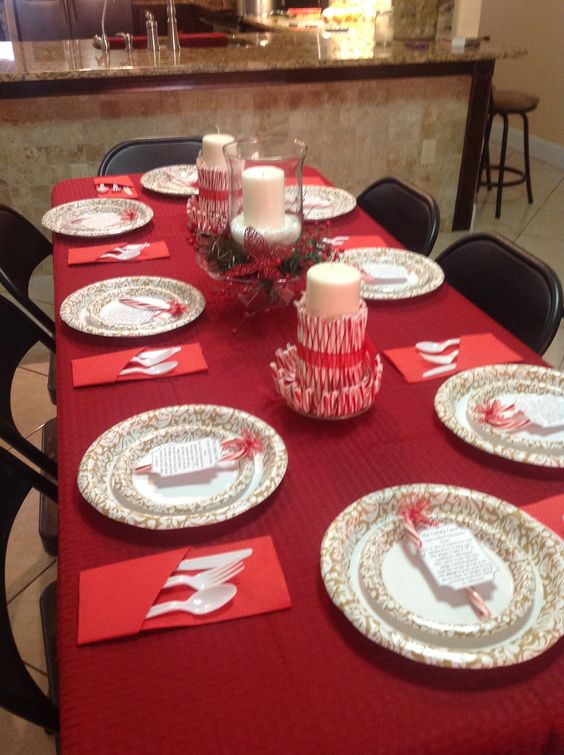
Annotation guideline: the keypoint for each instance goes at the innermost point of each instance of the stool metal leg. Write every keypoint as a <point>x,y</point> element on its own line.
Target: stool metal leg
<point>485,161</point>
<point>501,165</point>
<point>526,153</point>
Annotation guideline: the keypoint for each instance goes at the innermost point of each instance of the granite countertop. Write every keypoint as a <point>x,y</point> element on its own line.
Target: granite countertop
<point>255,52</point>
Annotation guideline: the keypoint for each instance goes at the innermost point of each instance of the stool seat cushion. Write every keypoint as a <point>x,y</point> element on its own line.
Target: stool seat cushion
<point>506,101</point>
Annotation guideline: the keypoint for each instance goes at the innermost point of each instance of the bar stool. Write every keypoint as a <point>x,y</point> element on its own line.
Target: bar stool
<point>506,103</point>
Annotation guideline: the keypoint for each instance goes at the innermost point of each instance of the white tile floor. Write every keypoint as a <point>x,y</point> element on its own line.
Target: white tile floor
<point>539,228</point>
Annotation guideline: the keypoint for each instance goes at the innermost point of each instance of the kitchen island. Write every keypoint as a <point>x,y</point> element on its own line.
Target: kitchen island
<point>363,110</point>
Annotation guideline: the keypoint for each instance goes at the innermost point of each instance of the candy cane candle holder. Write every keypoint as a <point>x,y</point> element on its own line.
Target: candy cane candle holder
<point>333,372</point>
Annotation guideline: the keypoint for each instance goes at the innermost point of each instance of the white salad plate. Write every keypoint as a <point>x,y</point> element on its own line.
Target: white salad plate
<point>174,180</point>
<point>394,273</point>
<point>107,480</point>
<point>99,309</point>
<point>92,218</point>
<point>382,588</point>
<point>460,400</point>
<point>326,202</point>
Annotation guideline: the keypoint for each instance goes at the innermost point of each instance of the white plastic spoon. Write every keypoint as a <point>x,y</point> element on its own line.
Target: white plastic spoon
<point>123,256</point>
<point>202,602</point>
<point>157,369</point>
<point>435,347</point>
<point>156,356</point>
<point>102,188</point>
<point>440,358</point>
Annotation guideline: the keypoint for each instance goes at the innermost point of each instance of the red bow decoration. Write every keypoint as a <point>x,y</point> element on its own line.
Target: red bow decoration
<point>414,512</point>
<point>239,448</point>
<point>128,215</point>
<point>265,259</point>
<point>493,413</point>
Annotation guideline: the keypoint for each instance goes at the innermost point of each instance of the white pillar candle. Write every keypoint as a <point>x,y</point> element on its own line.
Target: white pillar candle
<point>263,197</point>
<point>212,150</point>
<point>466,19</point>
<point>332,289</point>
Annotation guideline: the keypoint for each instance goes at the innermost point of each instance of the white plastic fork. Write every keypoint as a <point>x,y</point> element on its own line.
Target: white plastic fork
<point>207,578</point>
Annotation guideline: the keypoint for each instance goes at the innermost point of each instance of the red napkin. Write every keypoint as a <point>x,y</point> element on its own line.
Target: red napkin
<point>211,39</point>
<point>114,599</point>
<point>85,254</point>
<point>105,368</point>
<point>475,350</point>
<point>549,512</point>
<point>359,242</point>
<point>121,181</point>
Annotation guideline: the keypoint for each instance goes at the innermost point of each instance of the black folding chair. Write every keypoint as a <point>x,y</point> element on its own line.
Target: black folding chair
<point>410,214</point>
<point>141,155</point>
<point>22,248</point>
<point>511,285</point>
<point>19,693</point>
<point>19,334</point>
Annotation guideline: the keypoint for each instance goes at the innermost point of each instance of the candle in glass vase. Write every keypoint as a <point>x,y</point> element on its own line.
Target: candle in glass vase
<point>263,197</point>
<point>332,289</point>
<point>212,150</point>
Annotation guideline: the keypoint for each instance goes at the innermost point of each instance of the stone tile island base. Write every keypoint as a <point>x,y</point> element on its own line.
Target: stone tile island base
<point>356,131</point>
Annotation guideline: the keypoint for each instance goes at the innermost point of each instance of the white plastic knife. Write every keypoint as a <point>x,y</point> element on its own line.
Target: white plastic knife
<point>213,561</point>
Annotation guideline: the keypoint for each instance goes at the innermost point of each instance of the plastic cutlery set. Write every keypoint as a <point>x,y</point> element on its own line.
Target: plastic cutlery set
<point>152,362</point>
<point>431,351</point>
<point>212,589</point>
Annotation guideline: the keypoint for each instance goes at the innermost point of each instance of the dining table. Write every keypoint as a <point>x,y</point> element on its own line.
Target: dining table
<point>302,679</point>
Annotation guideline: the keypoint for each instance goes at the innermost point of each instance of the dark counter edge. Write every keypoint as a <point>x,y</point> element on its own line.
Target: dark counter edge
<point>481,72</point>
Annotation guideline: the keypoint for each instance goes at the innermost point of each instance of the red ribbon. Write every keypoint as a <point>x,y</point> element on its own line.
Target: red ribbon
<point>338,361</point>
<point>239,448</point>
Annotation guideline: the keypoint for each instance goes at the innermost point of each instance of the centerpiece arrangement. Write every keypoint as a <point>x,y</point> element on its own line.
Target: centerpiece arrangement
<point>255,240</point>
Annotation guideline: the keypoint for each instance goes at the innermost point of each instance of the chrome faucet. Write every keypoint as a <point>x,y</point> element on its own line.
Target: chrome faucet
<point>152,33</point>
<point>172,28</point>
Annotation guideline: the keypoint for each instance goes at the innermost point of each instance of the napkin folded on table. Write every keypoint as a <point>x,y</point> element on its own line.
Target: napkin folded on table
<point>120,181</point>
<point>360,242</point>
<point>477,350</point>
<point>105,368</point>
<point>83,255</point>
<point>549,512</point>
<point>113,600</point>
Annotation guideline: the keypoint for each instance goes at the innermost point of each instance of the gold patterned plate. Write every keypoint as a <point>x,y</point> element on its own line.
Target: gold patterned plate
<point>326,202</point>
<point>399,587</point>
<point>95,474</point>
<point>194,492</point>
<point>174,180</point>
<point>539,628</point>
<point>396,273</point>
<point>92,218</point>
<point>458,397</point>
<point>99,309</point>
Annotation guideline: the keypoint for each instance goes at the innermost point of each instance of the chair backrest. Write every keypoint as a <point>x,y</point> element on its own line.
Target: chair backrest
<point>410,214</point>
<point>511,285</point>
<point>18,691</point>
<point>22,248</point>
<point>141,155</point>
<point>18,334</point>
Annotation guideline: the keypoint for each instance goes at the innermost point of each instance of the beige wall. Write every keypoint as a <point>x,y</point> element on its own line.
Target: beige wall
<point>537,26</point>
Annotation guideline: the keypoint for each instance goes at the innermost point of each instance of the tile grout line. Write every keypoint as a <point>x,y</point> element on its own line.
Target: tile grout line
<point>37,576</point>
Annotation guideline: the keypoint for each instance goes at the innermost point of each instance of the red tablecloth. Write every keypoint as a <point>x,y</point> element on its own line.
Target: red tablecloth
<point>302,680</point>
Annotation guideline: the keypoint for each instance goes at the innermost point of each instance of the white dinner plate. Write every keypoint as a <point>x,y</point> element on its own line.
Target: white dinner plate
<point>458,397</point>
<point>174,180</point>
<point>343,546</point>
<point>98,308</point>
<point>96,471</point>
<point>326,202</point>
<point>409,274</point>
<point>92,218</point>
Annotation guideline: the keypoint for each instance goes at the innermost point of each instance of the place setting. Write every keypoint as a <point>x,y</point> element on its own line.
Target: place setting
<point>115,187</point>
<point>446,576</point>
<point>185,587</point>
<point>182,466</point>
<point>132,306</point>
<point>138,364</point>
<point>173,180</point>
<point>325,202</point>
<point>512,411</point>
<point>393,274</point>
<point>90,218</point>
